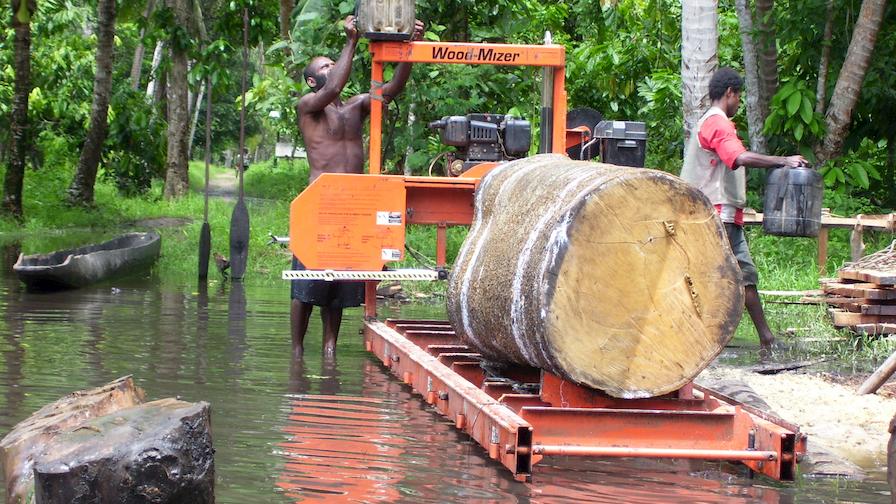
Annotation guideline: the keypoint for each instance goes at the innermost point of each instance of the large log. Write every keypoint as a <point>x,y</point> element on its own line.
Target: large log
<point>36,434</point>
<point>159,452</point>
<point>615,278</point>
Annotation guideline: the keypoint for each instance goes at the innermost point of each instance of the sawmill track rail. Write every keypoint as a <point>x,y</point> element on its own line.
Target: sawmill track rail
<point>520,415</point>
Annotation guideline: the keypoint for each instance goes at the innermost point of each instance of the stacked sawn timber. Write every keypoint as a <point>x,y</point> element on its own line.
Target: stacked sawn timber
<point>863,296</point>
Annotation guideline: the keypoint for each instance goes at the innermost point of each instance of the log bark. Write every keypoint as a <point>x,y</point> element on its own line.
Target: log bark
<point>615,278</point>
<point>34,435</point>
<point>160,451</point>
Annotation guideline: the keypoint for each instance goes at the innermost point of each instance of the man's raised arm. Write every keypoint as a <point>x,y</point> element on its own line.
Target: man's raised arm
<point>338,76</point>
<point>395,86</point>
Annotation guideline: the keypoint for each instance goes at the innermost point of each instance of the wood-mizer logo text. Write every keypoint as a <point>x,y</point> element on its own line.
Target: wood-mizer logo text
<point>484,54</point>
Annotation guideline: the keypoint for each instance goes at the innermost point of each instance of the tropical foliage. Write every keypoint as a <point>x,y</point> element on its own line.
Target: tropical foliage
<point>623,59</point>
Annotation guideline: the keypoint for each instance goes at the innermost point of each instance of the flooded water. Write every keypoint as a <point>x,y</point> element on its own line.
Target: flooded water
<point>314,430</point>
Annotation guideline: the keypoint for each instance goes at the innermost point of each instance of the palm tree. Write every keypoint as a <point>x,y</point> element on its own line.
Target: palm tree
<point>22,11</point>
<point>699,57</point>
<point>81,190</point>
<point>849,82</point>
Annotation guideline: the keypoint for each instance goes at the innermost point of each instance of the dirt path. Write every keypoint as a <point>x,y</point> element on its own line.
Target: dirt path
<point>223,185</point>
<point>834,416</point>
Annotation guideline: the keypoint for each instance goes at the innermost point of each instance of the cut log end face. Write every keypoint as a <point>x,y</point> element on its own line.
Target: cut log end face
<point>641,303</point>
<point>156,452</point>
<point>618,279</point>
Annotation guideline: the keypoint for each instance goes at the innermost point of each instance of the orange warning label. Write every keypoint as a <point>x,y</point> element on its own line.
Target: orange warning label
<point>349,222</point>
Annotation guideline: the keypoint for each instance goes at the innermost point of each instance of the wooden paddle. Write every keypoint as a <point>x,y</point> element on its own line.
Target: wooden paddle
<point>205,233</point>
<point>239,220</point>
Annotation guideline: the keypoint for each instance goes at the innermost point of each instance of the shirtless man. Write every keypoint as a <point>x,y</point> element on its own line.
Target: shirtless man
<point>332,130</point>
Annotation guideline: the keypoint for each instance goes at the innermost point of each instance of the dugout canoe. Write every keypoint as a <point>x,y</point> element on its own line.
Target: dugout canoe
<point>78,267</point>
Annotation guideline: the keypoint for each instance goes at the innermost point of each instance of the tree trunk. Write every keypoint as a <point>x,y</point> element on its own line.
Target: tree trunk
<point>176,177</point>
<point>565,271</point>
<point>151,87</point>
<point>36,434</point>
<point>699,57</point>
<point>14,180</point>
<point>768,54</point>
<point>137,65</point>
<point>286,8</point>
<point>160,451</point>
<point>755,117</point>
<point>81,190</point>
<point>821,91</point>
<point>195,108</point>
<point>849,82</point>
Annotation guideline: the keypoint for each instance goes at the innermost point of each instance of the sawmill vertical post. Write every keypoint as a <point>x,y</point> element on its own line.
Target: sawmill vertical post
<point>376,113</point>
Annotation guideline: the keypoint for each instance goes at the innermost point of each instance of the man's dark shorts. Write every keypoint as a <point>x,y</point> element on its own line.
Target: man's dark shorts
<point>324,293</point>
<point>738,243</point>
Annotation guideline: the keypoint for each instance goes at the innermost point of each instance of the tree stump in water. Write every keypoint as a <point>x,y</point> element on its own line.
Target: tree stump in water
<point>36,434</point>
<point>618,279</point>
<point>158,452</point>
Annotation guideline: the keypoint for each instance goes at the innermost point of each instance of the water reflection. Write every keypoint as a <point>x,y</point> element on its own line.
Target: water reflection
<point>342,447</point>
<point>314,429</point>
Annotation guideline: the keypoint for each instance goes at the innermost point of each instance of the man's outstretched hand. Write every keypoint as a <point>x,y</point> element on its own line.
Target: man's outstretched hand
<point>795,161</point>
<point>418,30</point>
<point>351,30</point>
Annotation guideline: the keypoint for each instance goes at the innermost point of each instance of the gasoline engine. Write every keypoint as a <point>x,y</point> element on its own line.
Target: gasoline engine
<point>481,138</point>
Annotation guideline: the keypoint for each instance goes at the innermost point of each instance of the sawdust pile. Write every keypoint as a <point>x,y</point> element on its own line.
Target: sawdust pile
<point>850,425</point>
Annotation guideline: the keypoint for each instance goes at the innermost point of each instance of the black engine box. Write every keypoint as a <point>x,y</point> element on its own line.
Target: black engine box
<point>517,136</point>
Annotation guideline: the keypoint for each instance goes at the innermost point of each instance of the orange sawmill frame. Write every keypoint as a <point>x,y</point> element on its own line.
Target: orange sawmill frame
<point>518,427</point>
<point>344,222</point>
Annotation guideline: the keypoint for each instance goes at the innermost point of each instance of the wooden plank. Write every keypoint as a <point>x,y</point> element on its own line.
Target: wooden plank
<point>876,329</point>
<point>876,277</point>
<point>878,309</point>
<point>842,318</point>
<point>859,290</point>
<point>791,293</point>
<point>882,222</point>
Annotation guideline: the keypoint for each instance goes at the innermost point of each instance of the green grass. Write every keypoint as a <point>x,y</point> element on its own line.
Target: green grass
<point>282,180</point>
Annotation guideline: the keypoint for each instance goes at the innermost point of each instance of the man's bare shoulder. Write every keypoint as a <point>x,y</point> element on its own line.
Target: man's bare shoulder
<point>304,106</point>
